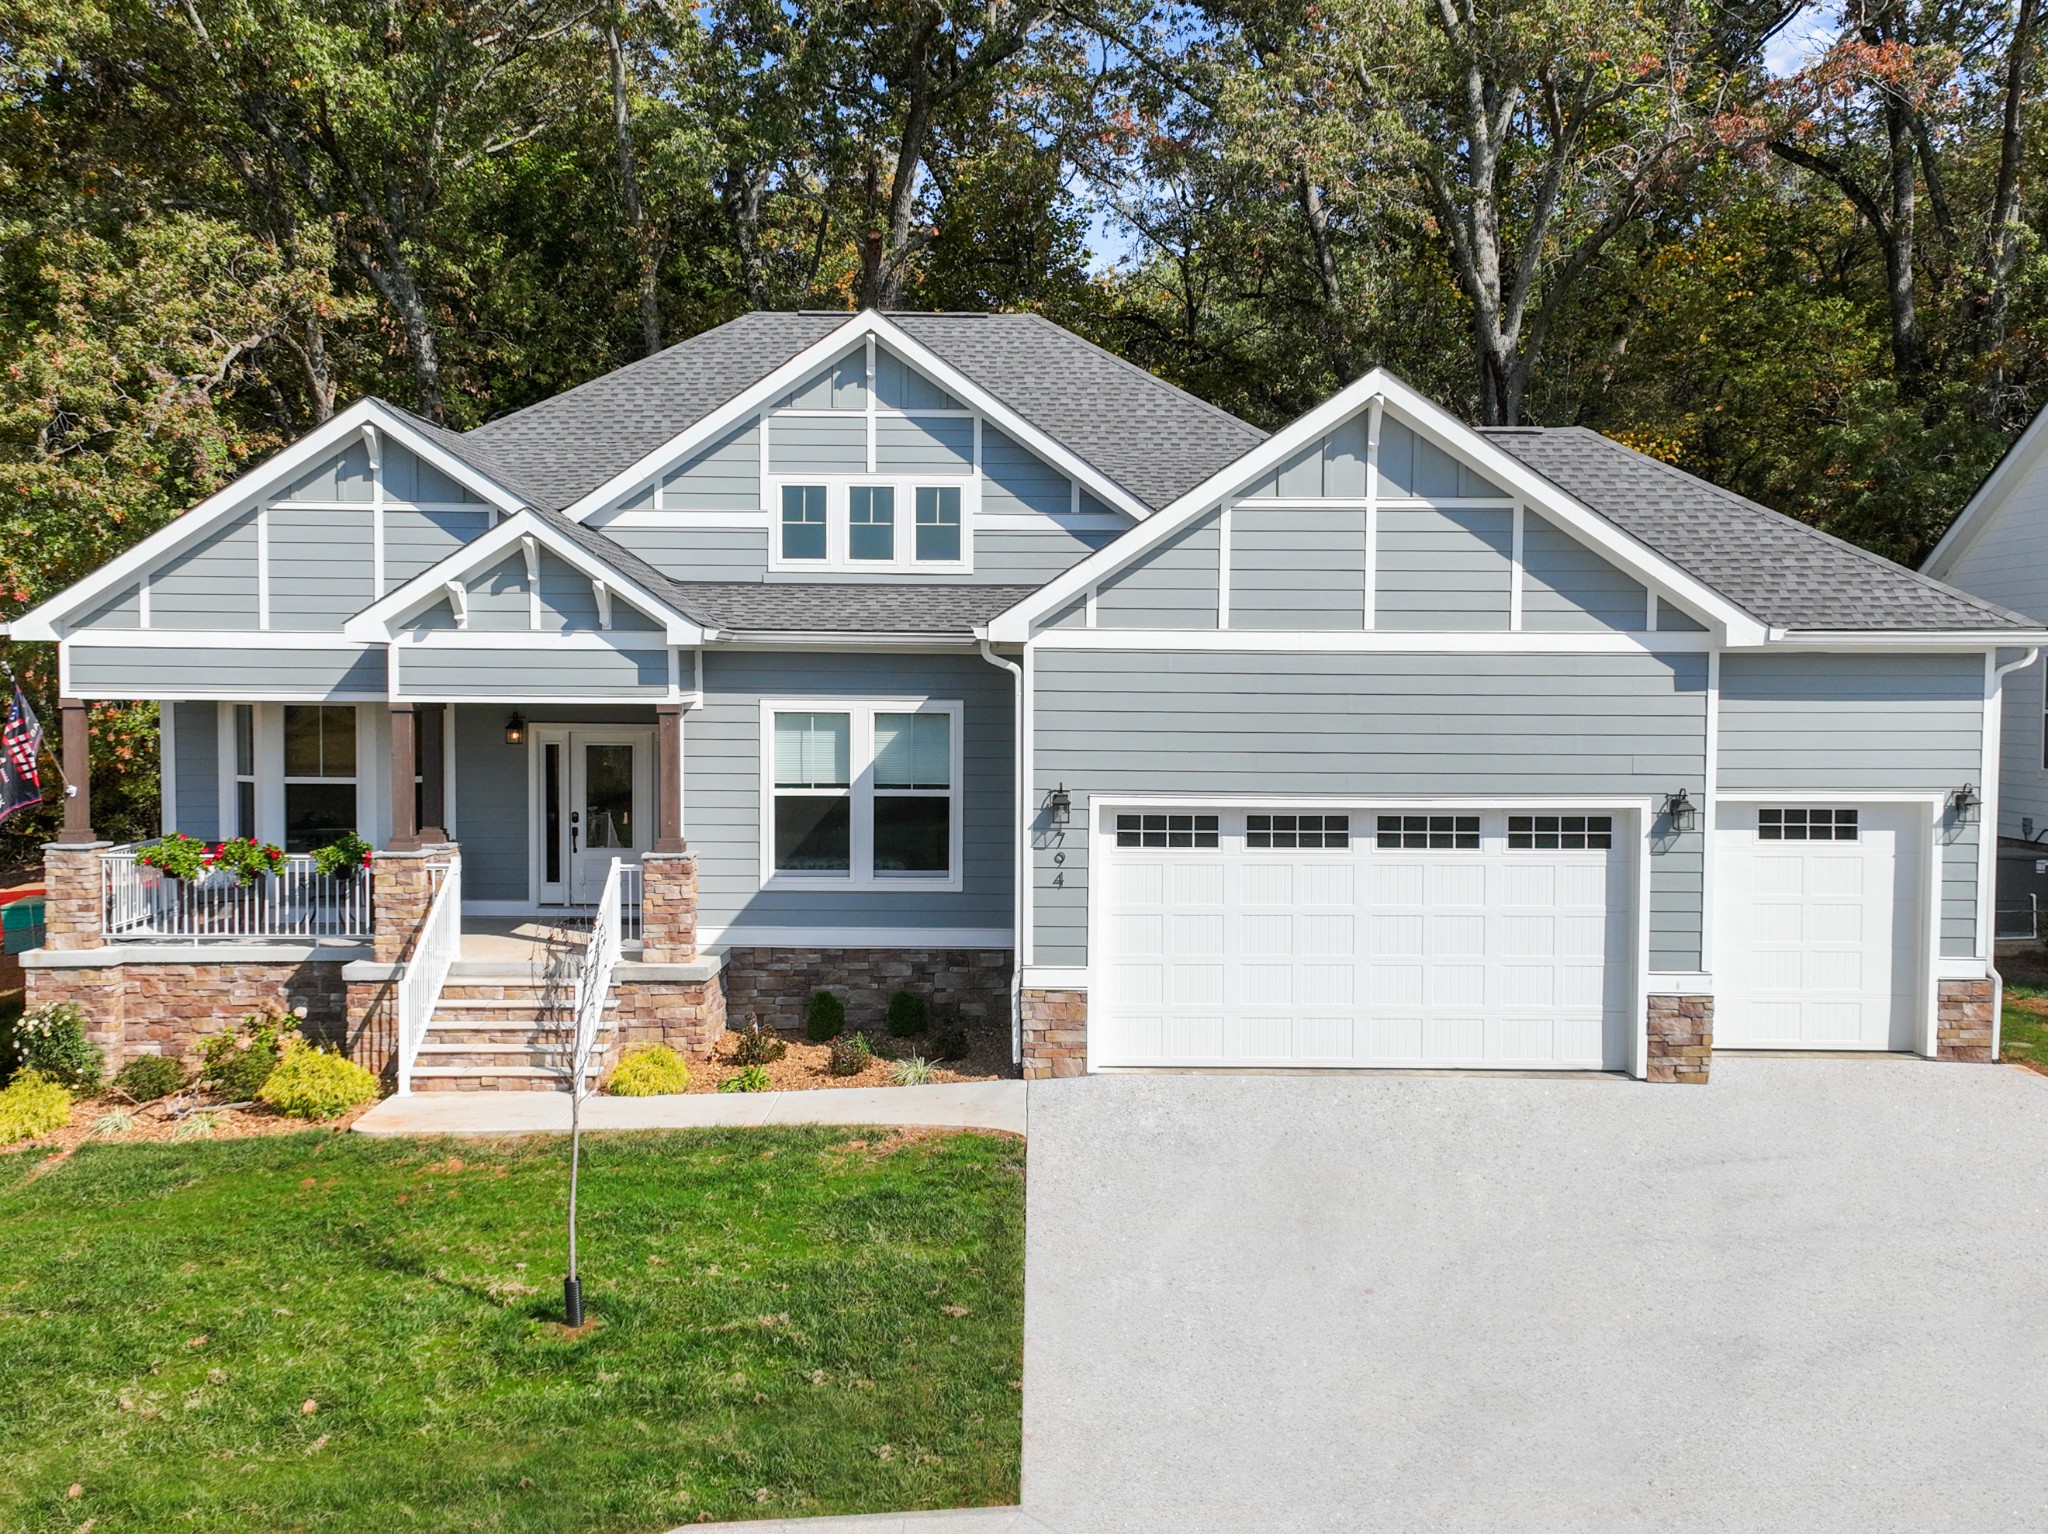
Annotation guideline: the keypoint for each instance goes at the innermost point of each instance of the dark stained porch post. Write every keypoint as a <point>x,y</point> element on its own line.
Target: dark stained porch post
<point>405,833</point>
<point>668,778</point>
<point>73,717</point>
<point>433,775</point>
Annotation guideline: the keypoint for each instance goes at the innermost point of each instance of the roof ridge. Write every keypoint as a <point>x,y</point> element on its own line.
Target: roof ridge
<point>1806,528</point>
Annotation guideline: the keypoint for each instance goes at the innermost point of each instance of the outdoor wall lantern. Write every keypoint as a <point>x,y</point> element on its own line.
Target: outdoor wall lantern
<point>1964,804</point>
<point>515,731</point>
<point>1059,806</point>
<point>1683,814</point>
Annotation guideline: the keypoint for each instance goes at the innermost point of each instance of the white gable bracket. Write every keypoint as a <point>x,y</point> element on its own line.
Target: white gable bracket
<point>601,594</point>
<point>458,599</point>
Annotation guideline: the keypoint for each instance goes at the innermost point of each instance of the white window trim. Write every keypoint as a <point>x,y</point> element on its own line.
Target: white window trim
<point>267,721</point>
<point>838,488</point>
<point>861,791</point>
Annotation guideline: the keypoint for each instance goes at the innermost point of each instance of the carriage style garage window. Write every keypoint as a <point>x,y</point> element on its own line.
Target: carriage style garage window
<point>1806,825</point>
<point>862,794</point>
<point>1560,833</point>
<point>1166,830</point>
<point>1297,830</point>
<point>319,775</point>
<point>1412,831</point>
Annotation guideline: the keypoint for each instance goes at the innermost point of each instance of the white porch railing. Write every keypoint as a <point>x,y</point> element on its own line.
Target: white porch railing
<point>631,886</point>
<point>145,904</point>
<point>434,952</point>
<point>594,983</point>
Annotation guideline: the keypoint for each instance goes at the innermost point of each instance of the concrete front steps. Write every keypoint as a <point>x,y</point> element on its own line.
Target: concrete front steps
<point>503,1028</point>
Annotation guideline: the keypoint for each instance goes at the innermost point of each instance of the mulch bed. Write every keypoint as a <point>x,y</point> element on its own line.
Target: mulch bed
<point>165,1119</point>
<point>803,1067</point>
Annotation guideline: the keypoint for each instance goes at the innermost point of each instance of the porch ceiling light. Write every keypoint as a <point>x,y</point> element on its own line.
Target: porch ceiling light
<point>515,730</point>
<point>1059,806</point>
<point>1964,804</point>
<point>1683,814</point>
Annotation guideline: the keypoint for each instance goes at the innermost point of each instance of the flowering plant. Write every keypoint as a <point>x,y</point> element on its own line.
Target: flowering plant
<point>179,855</point>
<point>245,858</point>
<point>343,856</point>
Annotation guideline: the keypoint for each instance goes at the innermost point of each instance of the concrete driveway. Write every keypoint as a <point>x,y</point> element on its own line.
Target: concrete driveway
<point>1811,1296</point>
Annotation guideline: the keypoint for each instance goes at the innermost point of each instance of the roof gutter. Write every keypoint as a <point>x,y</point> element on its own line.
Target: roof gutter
<point>823,639</point>
<point>1911,639</point>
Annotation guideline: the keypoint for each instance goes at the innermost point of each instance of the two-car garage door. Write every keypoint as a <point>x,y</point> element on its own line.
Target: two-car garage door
<point>1419,938</point>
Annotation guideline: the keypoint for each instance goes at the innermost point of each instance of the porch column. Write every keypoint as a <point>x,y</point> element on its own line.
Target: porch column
<point>668,778</point>
<point>433,777</point>
<point>405,831</point>
<point>72,717</point>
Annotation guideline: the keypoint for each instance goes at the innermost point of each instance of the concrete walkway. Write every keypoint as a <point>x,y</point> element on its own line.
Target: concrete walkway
<point>944,1105</point>
<point>968,1520</point>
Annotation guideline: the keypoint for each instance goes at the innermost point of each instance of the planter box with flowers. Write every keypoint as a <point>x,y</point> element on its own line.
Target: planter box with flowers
<point>238,889</point>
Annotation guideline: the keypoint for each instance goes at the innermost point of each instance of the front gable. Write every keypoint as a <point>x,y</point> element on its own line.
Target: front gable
<point>1376,513</point>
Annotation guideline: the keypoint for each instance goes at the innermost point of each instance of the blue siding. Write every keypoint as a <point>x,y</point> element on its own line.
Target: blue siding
<point>1566,586</point>
<point>415,541</point>
<point>1445,568</point>
<point>1297,568</point>
<point>195,766</point>
<point>817,445</point>
<point>320,566</point>
<point>941,444</point>
<point>133,671</point>
<point>1015,479</point>
<point>725,476</point>
<point>899,386</point>
<point>212,584</point>
<point>1172,586</point>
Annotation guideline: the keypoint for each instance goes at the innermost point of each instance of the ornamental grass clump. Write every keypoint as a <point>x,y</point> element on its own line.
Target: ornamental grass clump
<point>656,1071</point>
<point>52,1042</point>
<point>826,1018</point>
<point>32,1106</point>
<point>313,1083</point>
<point>908,1015</point>
<point>914,1072</point>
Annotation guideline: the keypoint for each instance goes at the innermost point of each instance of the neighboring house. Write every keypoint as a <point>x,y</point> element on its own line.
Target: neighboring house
<point>1998,548</point>
<point>1379,741</point>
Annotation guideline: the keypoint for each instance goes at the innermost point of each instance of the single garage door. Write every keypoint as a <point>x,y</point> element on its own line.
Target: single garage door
<point>1819,915</point>
<point>1364,938</point>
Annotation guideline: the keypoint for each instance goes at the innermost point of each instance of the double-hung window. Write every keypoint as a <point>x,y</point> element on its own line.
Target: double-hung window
<point>873,524</point>
<point>319,775</point>
<point>245,770</point>
<point>862,794</point>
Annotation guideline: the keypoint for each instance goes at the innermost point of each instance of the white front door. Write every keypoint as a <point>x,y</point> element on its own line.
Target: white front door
<point>596,795</point>
<point>1496,938</point>
<point>1818,921</point>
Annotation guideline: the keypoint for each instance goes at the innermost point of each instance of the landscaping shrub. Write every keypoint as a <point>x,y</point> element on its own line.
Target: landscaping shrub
<point>32,1106</point>
<point>752,1079</point>
<point>655,1071</point>
<point>148,1077</point>
<point>908,1015</point>
<point>850,1055</point>
<point>311,1083</point>
<point>826,1019</point>
<point>51,1041</point>
<point>949,1044</point>
<point>236,1062</point>
<point>755,1045</point>
<point>914,1072</point>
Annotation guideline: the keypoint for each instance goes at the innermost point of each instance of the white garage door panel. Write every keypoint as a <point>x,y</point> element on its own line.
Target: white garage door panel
<point>1820,938</point>
<point>1362,956</point>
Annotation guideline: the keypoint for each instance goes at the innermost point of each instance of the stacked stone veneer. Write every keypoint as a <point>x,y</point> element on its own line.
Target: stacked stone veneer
<point>686,1015</point>
<point>71,893</point>
<point>1681,1039</point>
<point>967,985</point>
<point>1963,1020</point>
<point>668,908</point>
<point>1055,1033</point>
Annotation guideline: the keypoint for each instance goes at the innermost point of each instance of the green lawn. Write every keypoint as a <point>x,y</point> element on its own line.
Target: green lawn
<point>2023,1031</point>
<point>327,1332</point>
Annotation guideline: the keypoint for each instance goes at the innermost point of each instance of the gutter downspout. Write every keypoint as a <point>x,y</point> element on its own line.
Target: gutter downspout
<point>1022,867</point>
<point>1998,675</point>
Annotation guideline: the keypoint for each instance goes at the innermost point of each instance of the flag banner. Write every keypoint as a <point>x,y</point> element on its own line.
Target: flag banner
<point>21,744</point>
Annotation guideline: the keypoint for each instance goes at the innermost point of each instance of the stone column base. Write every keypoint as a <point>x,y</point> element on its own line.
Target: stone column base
<point>1055,1033</point>
<point>687,1016</point>
<point>1963,1021</point>
<point>1681,1038</point>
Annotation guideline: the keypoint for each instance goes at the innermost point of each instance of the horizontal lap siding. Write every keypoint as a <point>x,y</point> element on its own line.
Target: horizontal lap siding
<point>416,540</point>
<point>1015,479</point>
<point>1444,568</point>
<point>722,788</point>
<point>818,445</point>
<point>1676,620</point>
<point>1172,586</point>
<point>544,673</point>
<point>126,671</point>
<point>568,601</point>
<point>1566,586</point>
<point>724,477</point>
<point>1297,569</point>
<point>699,553</point>
<point>500,599</point>
<point>212,585</point>
<point>320,566</point>
<point>1843,723</point>
<point>1234,725</point>
<point>195,766</point>
<point>931,444</point>
<point>123,610</point>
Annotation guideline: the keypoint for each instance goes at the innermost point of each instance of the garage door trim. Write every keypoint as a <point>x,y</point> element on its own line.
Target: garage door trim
<point>1634,816</point>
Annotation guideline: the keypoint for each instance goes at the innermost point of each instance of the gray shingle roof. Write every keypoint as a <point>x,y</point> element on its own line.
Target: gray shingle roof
<point>1140,431</point>
<point>1778,570</point>
<point>802,607</point>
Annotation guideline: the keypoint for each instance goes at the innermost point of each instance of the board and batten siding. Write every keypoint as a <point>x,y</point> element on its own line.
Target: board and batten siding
<point>173,671</point>
<point>1837,724</point>
<point>194,744</point>
<point>1342,726</point>
<point>722,809</point>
